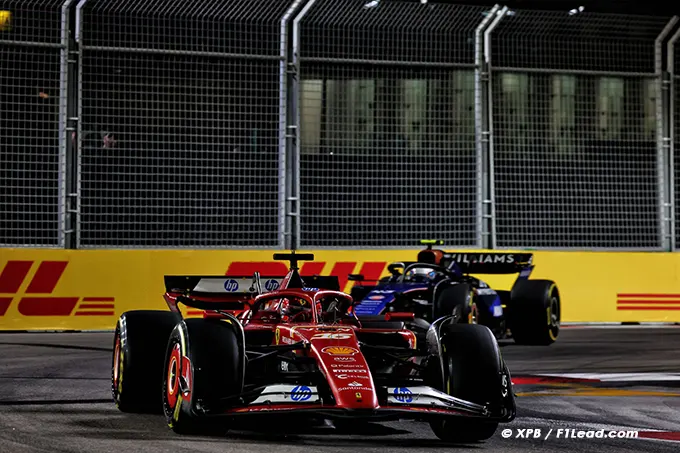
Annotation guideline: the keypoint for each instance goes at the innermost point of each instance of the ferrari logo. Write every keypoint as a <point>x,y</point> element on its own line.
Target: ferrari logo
<point>339,350</point>
<point>277,336</point>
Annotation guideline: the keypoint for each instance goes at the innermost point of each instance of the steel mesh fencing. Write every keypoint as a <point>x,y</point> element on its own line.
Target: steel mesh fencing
<point>574,131</point>
<point>675,155</point>
<point>179,132</point>
<point>387,124</point>
<point>30,99</point>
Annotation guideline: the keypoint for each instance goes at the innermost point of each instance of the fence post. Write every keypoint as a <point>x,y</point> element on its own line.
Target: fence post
<point>65,80</point>
<point>68,126</point>
<point>287,205</point>
<point>482,127</point>
<point>670,132</point>
<point>294,128</point>
<point>75,199</point>
<point>487,160</point>
<point>664,172</point>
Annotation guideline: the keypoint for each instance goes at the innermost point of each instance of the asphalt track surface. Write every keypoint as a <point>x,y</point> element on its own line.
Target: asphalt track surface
<point>55,397</point>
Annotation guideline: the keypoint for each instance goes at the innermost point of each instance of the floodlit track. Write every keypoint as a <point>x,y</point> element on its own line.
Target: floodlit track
<point>56,398</point>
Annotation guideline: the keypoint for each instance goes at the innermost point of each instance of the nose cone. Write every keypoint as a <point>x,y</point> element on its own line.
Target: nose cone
<point>347,372</point>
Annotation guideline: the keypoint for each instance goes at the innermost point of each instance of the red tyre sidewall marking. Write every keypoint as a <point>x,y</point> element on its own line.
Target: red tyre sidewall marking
<point>116,363</point>
<point>174,370</point>
<point>186,373</point>
<point>474,314</point>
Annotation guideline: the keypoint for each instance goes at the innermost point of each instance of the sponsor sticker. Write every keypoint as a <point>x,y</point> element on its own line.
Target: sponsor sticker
<point>355,384</point>
<point>347,376</point>
<point>340,350</point>
<point>344,359</point>
<point>355,388</point>
<point>506,258</point>
<point>230,285</point>
<point>300,393</point>
<point>351,370</point>
<point>377,297</point>
<point>403,395</point>
<point>271,285</point>
<point>346,365</point>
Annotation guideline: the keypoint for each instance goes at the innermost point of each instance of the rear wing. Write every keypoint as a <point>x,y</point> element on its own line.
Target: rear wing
<point>486,263</point>
<point>322,282</point>
<point>221,285</point>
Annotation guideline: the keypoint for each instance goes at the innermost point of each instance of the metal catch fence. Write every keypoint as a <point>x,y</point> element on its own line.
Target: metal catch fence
<point>179,123</point>
<point>32,172</point>
<point>335,124</point>
<point>575,131</point>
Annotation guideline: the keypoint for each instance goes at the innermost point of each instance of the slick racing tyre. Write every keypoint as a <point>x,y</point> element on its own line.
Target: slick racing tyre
<point>457,300</point>
<point>475,372</point>
<point>139,345</point>
<point>204,363</point>
<point>535,311</point>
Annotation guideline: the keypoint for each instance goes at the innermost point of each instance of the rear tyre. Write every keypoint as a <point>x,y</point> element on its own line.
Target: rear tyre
<point>473,371</point>
<point>456,300</point>
<point>204,363</point>
<point>535,312</point>
<point>139,345</point>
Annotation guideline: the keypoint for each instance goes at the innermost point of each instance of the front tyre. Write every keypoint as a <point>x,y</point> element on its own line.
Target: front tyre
<point>204,364</point>
<point>139,345</point>
<point>475,372</point>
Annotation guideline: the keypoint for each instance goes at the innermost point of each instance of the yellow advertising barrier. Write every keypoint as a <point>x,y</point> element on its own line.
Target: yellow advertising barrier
<point>89,289</point>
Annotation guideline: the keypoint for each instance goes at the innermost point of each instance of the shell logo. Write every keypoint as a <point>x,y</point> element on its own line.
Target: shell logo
<point>339,350</point>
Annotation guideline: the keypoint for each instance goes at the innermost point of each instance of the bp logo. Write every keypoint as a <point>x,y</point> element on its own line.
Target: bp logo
<point>301,393</point>
<point>230,286</point>
<point>403,395</point>
<point>271,285</point>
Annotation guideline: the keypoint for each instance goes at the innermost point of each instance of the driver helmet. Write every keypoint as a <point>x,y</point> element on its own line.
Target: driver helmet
<point>293,307</point>
<point>419,274</point>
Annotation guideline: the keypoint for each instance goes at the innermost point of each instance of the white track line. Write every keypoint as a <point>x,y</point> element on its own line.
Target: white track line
<point>617,377</point>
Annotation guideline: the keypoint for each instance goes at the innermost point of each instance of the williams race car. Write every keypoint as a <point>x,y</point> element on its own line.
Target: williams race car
<point>440,284</point>
<point>298,351</point>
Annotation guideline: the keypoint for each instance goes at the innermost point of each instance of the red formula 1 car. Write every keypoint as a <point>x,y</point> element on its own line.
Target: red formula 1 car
<point>301,351</point>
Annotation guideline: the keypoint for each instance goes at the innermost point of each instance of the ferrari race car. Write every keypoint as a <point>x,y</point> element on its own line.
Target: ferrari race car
<point>440,284</point>
<point>297,351</point>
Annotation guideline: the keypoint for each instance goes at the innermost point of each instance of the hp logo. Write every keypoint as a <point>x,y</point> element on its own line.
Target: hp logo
<point>403,395</point>
<point>271,285</point>
<point>230,286</point>
<point>301,393</point>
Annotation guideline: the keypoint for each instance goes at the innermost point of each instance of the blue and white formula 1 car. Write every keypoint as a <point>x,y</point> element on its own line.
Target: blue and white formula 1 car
<point>440,283</point>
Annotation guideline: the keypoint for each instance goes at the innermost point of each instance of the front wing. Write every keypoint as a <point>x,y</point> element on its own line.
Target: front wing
<point>400,403</point>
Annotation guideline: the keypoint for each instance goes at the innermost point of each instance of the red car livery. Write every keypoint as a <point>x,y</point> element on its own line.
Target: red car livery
<point>297,347</point>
